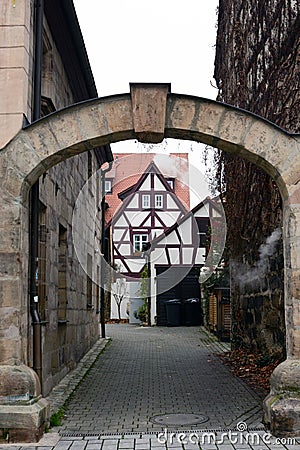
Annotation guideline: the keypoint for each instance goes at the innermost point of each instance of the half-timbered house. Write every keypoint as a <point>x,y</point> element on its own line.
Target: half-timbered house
<point>153,226</point>
<point>145,195</point>
<point>149,208</point>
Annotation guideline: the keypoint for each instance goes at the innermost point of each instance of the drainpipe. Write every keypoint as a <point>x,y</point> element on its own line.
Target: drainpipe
<point>102,293</point>
<point>34,196</point>
<point>147,255</point>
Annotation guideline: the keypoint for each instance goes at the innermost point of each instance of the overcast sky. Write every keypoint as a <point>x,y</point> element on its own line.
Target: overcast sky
<point>151,41</point>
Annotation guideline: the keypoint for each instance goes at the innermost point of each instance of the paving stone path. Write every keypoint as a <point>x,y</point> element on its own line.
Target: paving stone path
<point>147,372</point>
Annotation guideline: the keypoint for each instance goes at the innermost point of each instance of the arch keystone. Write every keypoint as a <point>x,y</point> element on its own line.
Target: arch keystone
<point>149,102</point>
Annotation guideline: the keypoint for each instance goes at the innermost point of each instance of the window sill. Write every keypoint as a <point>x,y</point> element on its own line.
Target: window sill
<point>62,321</point>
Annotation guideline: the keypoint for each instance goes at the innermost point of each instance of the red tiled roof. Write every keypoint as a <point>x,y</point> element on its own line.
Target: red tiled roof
<point>129,167</point>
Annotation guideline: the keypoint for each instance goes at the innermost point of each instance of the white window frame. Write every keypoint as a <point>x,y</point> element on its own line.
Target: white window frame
<point>146,201</point>
<point>138,241</point>
<point>170,182</point>
<point>107,187</point>
<point>159,201</point>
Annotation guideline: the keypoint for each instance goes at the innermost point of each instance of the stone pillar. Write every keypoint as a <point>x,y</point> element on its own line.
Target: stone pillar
<point>282,406</point>
<point>23,411</point>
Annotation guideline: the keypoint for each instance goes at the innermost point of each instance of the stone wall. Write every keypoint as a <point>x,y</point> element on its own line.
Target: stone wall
<point>257,68</point>
<point>257,309</point>
<point>55,83</point>
<point>68,299</point>
<point>71,328</point>
<point>16,39</point>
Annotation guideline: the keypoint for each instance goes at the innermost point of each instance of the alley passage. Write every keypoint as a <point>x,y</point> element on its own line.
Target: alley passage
<point>146,372</point>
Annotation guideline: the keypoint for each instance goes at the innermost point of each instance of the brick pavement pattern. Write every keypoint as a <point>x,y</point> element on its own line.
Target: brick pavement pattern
<point>150,371</point>
<point>146,372</point>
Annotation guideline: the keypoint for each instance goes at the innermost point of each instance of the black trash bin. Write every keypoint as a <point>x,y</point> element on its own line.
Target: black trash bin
<point>173,308</point>
<point>192,312</point>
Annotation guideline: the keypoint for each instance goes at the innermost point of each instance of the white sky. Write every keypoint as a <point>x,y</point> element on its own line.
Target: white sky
<point>151,41</point>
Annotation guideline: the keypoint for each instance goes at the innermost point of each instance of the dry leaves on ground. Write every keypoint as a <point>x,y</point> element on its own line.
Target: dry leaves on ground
<point>254,369</point>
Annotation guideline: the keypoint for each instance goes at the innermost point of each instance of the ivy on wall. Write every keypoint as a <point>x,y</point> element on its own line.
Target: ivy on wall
<point>257,67</point>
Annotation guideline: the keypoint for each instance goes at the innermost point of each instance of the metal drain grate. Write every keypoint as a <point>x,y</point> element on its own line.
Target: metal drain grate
<point>150,432</point>
<point>179,419</point>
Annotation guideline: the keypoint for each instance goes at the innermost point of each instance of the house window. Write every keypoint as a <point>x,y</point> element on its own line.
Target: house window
<point>170,182</point>
<point>107,186</point>
<point>42,261</point>
<point>145,201</point>
<point>138,241</point>
<point>158,201</point>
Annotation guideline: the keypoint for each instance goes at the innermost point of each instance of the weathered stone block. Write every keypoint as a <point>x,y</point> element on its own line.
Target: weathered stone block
<point>10,293</point>
<point>10,237</point>
<point>14,57</point>
<point>9,264</point>
<point>181,113</point>
<point>13,81</point>
<point>24,423</point>
<point>10,350</point>
<point>284,416</point>
<point>90,124</point>
<point>12,123</point>
<point>149,111</point>
<point>294,286</point>
<point>208,118</point>
<point>18,384</point>
<point>15,14</point>
<point>236,125</point>
<point>15,36</point>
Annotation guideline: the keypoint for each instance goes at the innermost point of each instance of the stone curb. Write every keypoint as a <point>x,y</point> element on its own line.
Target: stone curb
<point>69,383</point>
<point>209,340</point>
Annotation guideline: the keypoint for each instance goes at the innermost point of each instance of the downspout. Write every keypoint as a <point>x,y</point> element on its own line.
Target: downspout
<point>102,294</point>
<point>34,196</point>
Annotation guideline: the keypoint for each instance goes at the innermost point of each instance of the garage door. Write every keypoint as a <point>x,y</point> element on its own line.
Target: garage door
<point>187,288</point>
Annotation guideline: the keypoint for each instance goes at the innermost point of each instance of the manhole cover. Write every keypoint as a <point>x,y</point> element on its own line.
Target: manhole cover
<point>179,419</point>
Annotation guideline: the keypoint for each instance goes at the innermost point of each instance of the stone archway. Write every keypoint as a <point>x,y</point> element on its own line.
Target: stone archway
<point>149,113</point>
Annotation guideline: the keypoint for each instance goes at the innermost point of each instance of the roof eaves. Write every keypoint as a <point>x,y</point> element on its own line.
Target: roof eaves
<point>64,26</point>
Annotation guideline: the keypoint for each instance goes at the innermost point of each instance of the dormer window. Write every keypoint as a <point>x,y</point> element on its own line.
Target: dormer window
<point>170,182</point>
<point>108,186</point>
<point>145,201</point>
